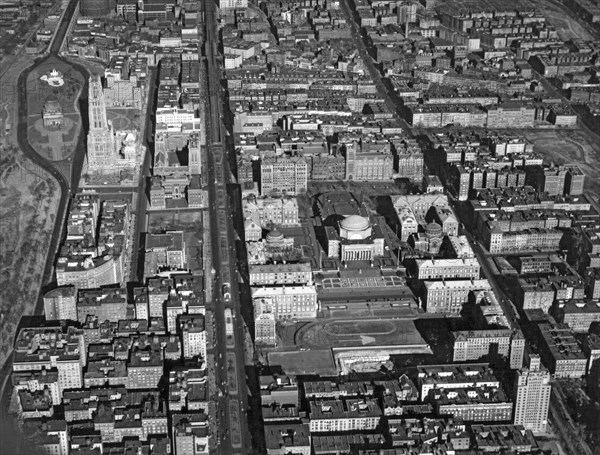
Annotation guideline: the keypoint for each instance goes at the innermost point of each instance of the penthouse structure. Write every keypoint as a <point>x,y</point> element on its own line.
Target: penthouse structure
<point>475,344</point>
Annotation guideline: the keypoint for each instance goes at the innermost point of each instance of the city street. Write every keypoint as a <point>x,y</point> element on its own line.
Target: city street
<point>233,436</point>
<point>368,61</point>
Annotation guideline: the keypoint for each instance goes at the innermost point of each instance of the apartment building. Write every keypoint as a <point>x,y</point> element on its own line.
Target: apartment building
<point>284,438</point>
<point>288,302</point>
<point>473,404</point>
<point>108,304</point>
<point>560,351</point>
<point>272,211</point>
<point>533,396</point>
<point>442,269</point>
<point>351,414</point>
<point>448,297</point>
<point>578,314</point>
<point>283,175</point>
<point>475,344</point>
<point>193,334</point>
<point>61,303</point>
<point>454,376</point>
<point>45,348</point>
<point>280,274</point>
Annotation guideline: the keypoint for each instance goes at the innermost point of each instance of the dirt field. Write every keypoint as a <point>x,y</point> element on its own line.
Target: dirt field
<point>485,5</point>
<point>566,26</point>
<point>172,221</point>
<point>28,204</point>
<point>570,147</point>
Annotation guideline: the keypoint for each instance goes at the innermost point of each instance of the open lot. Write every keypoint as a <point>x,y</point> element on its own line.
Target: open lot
<point>566,26</point>
<point>485,5</point>
<point>174,220</point>
<point>304,362</point>
<point>569,147</point>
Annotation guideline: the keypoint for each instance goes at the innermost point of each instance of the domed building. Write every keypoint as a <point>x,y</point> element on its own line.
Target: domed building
<point>276,241</point>
<point>355,227</point>
<point>355,239</point>
<point>429,242</point>
<point>275,237</point>
<point>52,113</point>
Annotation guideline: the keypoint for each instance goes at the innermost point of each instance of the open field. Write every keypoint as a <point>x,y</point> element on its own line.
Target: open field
<point>28,205</point>
<point>569,147</point>
<point>485,5</point>
<point>304,362</point>
<point>173,220</point>
<point>567,27</point>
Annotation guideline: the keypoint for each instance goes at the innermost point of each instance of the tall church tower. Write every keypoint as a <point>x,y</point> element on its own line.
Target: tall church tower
<point>101,139</point>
